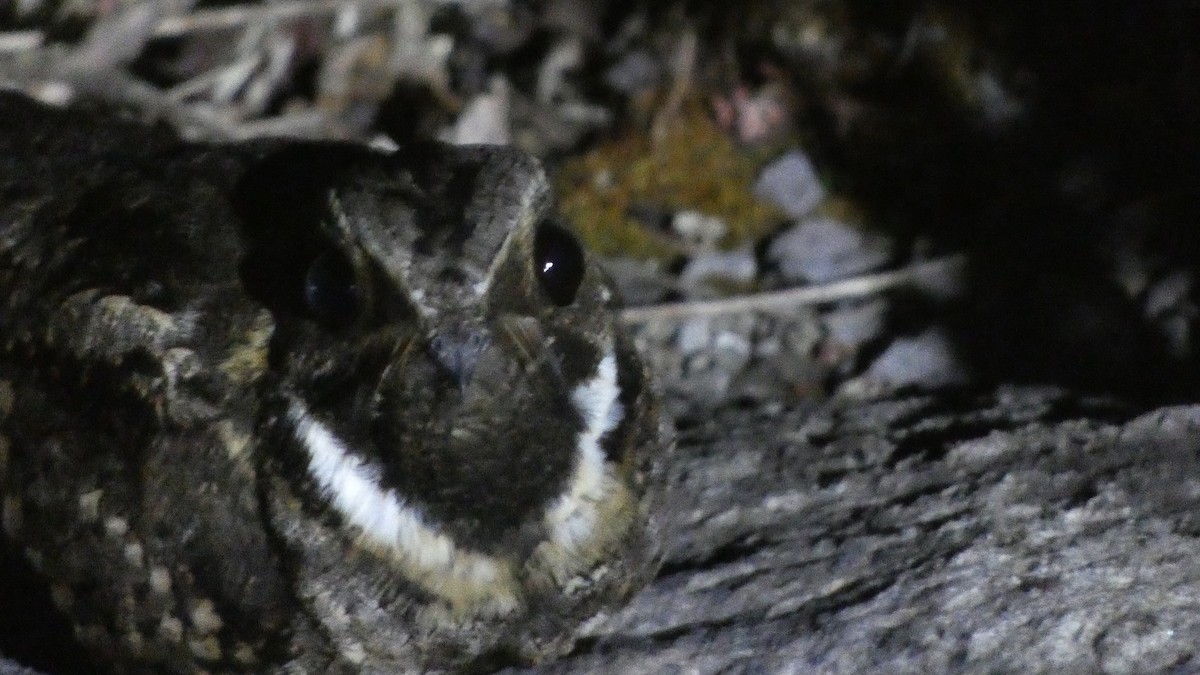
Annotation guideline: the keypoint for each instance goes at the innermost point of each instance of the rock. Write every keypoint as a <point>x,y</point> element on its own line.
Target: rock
<point>800,334</point>
<point>780,381</point>
<point>856,325</point>
<point>926,361</point>
<point>695,335</point>
<point>791,183</point>
<point>716,273</point>
<point>8,667</point>
<point>1170,304</point>
<point>703,386</point>
<point>699,229</point>
<point>822,249</point>
<point>731,351</point>
<point>1168,293</point>
<point>1177,332</point>
<point>998,105</point>
<point>1025,530</point>
<point>703,356</point>
<point>639,281</point>
<point>485,118</point>
<point>634,71</point>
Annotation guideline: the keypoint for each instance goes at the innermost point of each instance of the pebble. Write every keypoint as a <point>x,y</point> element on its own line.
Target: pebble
<point>822,249</point>
<point>638,281</point>
<point>1177,332</point>
<point>698,228</point>
<point>857,325</point>
<point>635,71</point>
<point>998,105</point>
<point>708,274</point>
<point>926,361</point>
<point>694,335</point>
<point>781,380</point>
<point>563,58</point>
<point>731,351</point>
<point>1168,302</point>
<point>1168,293</point>
<point>801,334</point>
<point>485,118</point>
<point>703,388</point>
<point>791,183</point>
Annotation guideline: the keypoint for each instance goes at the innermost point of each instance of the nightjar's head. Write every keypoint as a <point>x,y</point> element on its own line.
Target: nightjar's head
<point>462,427</point>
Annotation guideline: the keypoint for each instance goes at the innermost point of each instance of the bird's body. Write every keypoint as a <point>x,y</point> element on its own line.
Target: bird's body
<point>309,406</point>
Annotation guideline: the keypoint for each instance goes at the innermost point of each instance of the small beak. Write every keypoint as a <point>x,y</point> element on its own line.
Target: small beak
<point>458,351</point>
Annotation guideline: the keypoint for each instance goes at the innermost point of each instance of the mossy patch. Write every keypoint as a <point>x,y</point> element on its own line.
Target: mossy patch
<point>612,193</point>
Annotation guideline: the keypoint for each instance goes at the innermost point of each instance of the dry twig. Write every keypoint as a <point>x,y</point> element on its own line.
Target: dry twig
<point>236,16</point>
<point>787,299</point>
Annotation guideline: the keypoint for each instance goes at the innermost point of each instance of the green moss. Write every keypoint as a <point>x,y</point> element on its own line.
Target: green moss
<point>695,166</point>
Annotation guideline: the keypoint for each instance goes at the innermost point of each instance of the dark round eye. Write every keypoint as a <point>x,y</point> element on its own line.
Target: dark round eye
<point>558,263</point>
<point>331,290</point>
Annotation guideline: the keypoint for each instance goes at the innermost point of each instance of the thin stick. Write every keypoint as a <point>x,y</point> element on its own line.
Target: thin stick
<point>778,301</point>
<point>232,17</point>
<point>683,68</point>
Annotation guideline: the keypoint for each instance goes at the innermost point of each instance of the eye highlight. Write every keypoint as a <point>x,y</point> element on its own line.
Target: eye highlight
<point>558,263</point>
<point>332,292</point>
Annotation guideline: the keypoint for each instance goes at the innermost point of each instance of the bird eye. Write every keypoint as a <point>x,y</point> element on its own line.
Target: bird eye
<point>331,290</point>
<point>558,263</point>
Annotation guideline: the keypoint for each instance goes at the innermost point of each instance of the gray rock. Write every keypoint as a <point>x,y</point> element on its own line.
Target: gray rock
<point>8,667</point>
<point>699,229</point>
<point>704,361</point>
<point>640,282</point>
<point>695,335</point>
<point>1021,531</point>
<point>636,70</point>
<point>927,361</point>
<point>998,104</point>
<point>782,381</point>
<point>820,250</point>
<point>703,386</point>
<point>1168,293</point>
<point>716,273</point>
<point>485,119</point>
<point>1170,303</point>
<point>1177,331</point>
<point>856,325</point>
<point>731,351</point>
<point>791,183</point>
<point>801,333</point>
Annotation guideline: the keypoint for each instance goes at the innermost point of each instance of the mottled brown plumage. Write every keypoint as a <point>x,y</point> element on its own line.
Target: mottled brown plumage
<point>309,405</point>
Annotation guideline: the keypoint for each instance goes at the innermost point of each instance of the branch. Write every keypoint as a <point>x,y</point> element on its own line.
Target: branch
<point>788,299</point>
<point>233,17</point>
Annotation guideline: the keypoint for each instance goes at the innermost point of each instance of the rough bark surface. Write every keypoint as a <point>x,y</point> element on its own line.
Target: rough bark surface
<point>1028,530</point>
